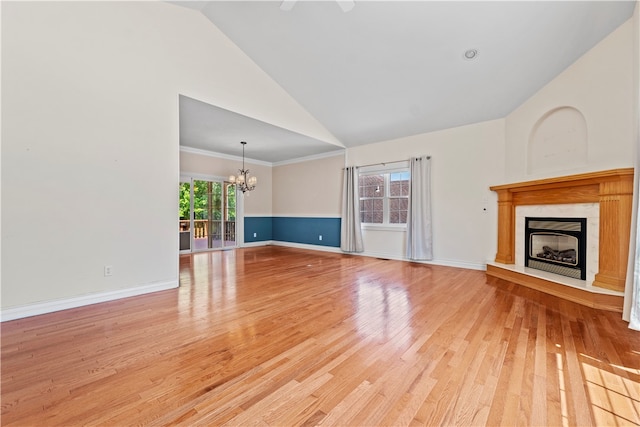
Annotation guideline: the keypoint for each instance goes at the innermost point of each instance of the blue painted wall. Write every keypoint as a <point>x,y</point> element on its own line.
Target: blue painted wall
<point>260,225</point>
<point>293,230</point>
<point>307,230</point>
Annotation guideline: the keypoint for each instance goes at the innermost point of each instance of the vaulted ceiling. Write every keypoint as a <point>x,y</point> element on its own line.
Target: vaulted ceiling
<point>388,69</point>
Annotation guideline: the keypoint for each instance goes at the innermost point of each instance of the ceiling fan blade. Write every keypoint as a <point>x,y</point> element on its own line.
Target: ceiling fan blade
<point>346,5</point>
<point>287,5</point>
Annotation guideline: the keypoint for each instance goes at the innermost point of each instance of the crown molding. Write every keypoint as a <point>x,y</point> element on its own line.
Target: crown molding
<point>208,153</point>
<point>308,158</point>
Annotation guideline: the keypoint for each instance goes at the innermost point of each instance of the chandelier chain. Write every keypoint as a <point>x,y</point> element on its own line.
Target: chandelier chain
<point>243,181</point>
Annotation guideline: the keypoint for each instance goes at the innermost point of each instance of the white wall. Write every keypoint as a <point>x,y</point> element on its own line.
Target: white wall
<point>465,162</point>
<point>600,86</point>
<point>311,188</point>
<point>633,250</point>
<point>90,160</point>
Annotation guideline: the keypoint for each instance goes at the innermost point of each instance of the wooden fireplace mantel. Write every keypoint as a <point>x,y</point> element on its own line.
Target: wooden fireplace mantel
<point>612,189</point>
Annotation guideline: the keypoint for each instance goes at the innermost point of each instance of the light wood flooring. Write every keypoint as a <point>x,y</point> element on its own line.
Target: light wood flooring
<point>281,337</point>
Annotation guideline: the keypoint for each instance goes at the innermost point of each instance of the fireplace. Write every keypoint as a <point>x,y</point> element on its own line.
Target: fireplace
<point>612,191</point>
<point>557,245</point>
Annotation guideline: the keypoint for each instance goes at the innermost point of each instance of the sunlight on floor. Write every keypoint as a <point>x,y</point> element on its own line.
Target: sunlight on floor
<point>563,390</point>
<point>615,399</point>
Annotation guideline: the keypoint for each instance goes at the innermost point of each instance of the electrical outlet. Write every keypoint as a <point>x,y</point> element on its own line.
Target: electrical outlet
<point>320,237</point>
<point>255,234</point>
<point>108,270</point>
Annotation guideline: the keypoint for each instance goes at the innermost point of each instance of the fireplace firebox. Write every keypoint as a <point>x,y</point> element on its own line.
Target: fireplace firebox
<point>557,245</point>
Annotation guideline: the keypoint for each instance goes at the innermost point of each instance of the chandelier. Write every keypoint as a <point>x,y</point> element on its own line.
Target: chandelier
<point>243,181</point>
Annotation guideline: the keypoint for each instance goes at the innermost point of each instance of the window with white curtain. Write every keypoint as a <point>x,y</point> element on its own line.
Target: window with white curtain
<point>384,197</point>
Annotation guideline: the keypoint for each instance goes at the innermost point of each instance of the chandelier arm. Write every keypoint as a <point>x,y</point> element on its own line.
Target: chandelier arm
<point>243,179</point>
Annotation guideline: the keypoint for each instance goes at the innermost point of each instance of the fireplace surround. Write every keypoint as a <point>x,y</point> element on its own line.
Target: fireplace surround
<point>612,190</point>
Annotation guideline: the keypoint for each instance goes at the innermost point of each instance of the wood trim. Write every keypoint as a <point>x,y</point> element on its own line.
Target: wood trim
<point>506,228</point>
<point>568,181</point>
<point>580,296</point>
<point>612,189</point>
<point>616,200</point>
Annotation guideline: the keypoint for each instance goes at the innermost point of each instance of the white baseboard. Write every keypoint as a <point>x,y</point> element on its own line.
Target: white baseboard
<point>292,245</point>
<point>306,246</point>
<point>457,264</point>
<point>443,262</point>
<point>256,244</point>
<point>20,312</point>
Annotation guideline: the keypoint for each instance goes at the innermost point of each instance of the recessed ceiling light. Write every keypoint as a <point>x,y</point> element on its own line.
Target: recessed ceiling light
<point>471,54</point>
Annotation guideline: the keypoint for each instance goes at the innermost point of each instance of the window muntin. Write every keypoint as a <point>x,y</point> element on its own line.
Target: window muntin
<point>398,197</point>
<point>384,197</point>
<point>372,198</point>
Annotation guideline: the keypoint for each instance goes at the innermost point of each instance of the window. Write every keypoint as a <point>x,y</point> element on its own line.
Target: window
<point>384,197</point>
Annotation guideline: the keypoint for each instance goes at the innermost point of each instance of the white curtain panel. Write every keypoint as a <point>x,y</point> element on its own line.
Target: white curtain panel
<point>350,232</point>
<point>633,294</point>
<point>419,240</point>
<point>631,311</point>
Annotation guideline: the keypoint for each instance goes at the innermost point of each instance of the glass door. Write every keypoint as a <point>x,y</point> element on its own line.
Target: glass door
<point>230,236</point>
<point>207,215</point>
<point>185,216</point>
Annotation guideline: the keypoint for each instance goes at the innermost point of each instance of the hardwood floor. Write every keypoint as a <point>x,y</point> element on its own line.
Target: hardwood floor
<point>282,336</point>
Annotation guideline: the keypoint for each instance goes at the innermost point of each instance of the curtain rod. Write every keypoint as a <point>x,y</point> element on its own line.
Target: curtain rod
<point>386,163</point>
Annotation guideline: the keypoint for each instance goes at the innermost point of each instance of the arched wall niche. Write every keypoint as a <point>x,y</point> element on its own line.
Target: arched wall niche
<point>558,141</point>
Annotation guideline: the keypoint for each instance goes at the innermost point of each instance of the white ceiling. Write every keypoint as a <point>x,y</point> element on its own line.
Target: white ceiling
<point>206,127</point>
<point>388,69</point>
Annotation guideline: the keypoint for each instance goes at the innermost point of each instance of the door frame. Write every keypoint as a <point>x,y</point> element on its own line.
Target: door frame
<point>190,177</point>
<point>187,180</point>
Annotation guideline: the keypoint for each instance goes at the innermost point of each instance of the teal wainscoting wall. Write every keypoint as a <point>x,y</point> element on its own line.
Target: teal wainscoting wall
<point>258,229</point>
<point>307,230</point>
<point>302,230</point>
